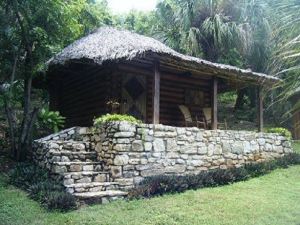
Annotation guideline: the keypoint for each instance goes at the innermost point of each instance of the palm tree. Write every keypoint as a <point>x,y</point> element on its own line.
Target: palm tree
<point>285,60</point>
<point>201,28</point>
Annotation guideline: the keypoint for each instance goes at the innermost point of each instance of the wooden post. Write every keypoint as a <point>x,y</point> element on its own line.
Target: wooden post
<point>260,110</point>
<point>156,93</point>
<point>215,104</point>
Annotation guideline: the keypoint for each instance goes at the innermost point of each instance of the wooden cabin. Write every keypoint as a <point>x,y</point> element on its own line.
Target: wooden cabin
<point>119,71</point>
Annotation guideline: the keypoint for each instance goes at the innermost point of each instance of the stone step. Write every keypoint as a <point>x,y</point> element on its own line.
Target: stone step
<point>64,167</point>
<point>75,146</point>
<point>91,187</point>
<point>100,196</point>
<point>84,177</point>
<point>67,156</point>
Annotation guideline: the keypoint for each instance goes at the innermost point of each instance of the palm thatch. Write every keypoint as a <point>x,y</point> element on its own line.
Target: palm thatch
<point>111,44</point>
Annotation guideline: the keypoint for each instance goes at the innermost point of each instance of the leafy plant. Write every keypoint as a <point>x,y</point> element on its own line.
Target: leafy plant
<point>24,174</point>
<point>227,97</point>
<point>280,130</point>
<point>115,117</point>
<point>61,200</point>
<point>52,120</point>
<point>40,190</point>
<point>41,187</point>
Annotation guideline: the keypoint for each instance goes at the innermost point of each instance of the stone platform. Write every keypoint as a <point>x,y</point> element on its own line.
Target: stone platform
<point>102,165</point>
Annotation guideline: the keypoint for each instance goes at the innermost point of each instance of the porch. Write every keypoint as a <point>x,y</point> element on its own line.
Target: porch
<point>152,92</point>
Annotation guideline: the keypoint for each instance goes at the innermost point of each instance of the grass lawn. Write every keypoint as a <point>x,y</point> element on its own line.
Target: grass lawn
<point>270,199</point>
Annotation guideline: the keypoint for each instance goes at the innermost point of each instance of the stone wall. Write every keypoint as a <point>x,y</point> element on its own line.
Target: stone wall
<point>131,152</point>
<point>125,153</point>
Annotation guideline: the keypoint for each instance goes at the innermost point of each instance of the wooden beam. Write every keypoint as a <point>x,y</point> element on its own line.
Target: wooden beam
<point>215,104</point>
<point>260,110</point>
<point>156,93</point>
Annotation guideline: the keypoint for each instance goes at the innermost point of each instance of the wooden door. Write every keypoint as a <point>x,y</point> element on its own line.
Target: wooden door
<point>134,96</point>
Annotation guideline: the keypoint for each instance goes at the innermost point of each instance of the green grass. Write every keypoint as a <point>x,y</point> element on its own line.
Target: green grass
<point>271,199</point>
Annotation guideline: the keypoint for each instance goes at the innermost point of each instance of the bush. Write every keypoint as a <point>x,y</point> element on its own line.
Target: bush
<point>158,185</point>
<point>25,174</point>
<point>227,97</point>
<point>51,120</point>
<point>280,130</point>
<point>41,187</point>
<point>115,117</point>
<point>40,190</point>
<point>60,200</point>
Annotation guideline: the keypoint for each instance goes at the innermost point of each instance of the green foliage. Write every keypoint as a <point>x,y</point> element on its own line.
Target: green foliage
<point>227,97</point>
<point>51,120</point>
<point>214,30</point>
<point>158,185</point>
<point>280,130</point>
<point>41,187</point>
<point>31,32</point>
<point>60,200</point>
<point>140,22</point>
<point>115,117</point>
<point>285,58</point>
<point>24,174</point>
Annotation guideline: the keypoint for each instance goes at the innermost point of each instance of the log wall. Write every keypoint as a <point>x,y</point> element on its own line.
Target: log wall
<point>82,97</point>
<point>173,89</point>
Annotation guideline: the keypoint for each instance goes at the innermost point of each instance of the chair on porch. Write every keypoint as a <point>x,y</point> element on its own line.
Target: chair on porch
<point>188,118</point>
<point>208,118</point>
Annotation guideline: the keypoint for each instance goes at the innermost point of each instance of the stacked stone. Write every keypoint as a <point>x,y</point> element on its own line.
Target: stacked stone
<point>71,134</point>
<point>73,160</point>
<point>103,164</point>
<point>132,152</point>
<point>64,156</point>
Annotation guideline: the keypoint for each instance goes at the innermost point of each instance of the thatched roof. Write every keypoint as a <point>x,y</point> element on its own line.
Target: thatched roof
<point>111,44</point>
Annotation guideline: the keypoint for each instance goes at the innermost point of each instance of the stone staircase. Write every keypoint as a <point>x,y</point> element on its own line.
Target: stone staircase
<point>75,164</point>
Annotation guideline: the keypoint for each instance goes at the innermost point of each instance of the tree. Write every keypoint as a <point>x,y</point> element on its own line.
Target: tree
<point>285,58</point>
<point>208,29</point>
<point>31,32</point>
<point>140,22</point>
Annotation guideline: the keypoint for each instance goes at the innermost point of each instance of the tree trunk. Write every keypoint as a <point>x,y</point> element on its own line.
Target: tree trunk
<point>10,113</point>
<point>12,128</point>
<point>239,103</point>
<point>21,139</point>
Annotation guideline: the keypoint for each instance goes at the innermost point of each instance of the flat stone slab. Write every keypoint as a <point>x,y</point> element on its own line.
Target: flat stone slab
<point>85,173</point>
<point>91,184</point>
<point>66,152</point>
<point>100,194</point>
<point>75,163</point>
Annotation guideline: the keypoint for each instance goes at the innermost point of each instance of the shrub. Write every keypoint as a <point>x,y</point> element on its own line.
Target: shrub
<point>41,187</point>
<point>227,97</point>
<point>158,185</point>
<point>51,120</point>
<point>40,190</point>
<point>60,200</point>
<point>115,117</point>
<point>25,174</point>
<point>280,130</point>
